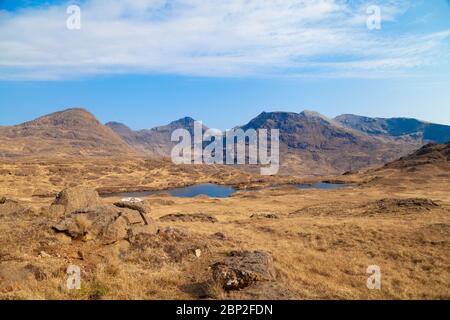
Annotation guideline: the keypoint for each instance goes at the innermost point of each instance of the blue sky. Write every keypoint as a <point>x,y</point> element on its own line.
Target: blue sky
<point>148,62</point>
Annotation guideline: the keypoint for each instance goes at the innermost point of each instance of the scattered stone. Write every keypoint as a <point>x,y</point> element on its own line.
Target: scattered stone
<point>170,233</point>
<point>198,253</point>
<point>173,253</point>
<point>146,231</point>
<point>75,199</point>
<point>264,216</point>
<point>218,236</point>
<point>241,269</point>
<point>37,272</point>
<point>194,217</point>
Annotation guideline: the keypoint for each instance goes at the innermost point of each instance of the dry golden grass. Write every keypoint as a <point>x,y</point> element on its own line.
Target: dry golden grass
<point>322,242</point>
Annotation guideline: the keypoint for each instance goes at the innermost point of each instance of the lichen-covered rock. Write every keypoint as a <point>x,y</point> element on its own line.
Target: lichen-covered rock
<point>75,199</point>
<point>241,269</point>
<point>107,224</point>
<point>192,217</point>
<point>143,207</point>
<point>88,224</point>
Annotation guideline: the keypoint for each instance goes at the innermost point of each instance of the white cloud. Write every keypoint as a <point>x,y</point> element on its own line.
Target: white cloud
<point>209,38</point>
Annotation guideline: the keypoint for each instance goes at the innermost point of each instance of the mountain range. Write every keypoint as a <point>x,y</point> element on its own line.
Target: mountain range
<point>397,128</point>
<point>310,143</point>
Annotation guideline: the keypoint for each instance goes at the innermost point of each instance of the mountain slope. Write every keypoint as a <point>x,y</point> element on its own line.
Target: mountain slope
<point>428,166</point>
<point>72,132</point>
<point>156,140</point>
<point>310,143</point>
<point>397,128</point>
<point>430,154</point>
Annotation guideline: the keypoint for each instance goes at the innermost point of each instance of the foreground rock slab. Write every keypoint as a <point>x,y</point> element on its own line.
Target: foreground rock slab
<point>143,207</point>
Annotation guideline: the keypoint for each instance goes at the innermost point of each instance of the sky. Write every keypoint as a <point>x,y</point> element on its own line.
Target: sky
<point>149,62</point>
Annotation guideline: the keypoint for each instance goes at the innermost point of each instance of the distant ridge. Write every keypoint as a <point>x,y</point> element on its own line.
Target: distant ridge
<point>153,141</point>
<point>310,143</point>
<point>397,128</point>
<point>314,144</point>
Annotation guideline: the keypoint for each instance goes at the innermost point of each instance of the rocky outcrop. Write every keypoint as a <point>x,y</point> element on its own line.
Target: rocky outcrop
<point>75,199</point>
<point>241,269</point>
<point>106,224</point>
<point>246,275</point>
<point>84,217</point>
<point>143,207</point>
<point>200,217</point>
<point>400,206</point>
<point>264,216</point>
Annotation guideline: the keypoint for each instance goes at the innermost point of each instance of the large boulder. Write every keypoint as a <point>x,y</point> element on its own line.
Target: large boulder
<point>106,224</point>
<point>246,275</point>
<point>75,199</point>
<point>241,269</point>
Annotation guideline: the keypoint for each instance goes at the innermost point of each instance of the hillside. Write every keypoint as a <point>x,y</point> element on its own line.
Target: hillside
<point>72,132</point>
<point>427,166</point>
<point>430,154</point>
<point>153,141</point>
<point>310,143</point>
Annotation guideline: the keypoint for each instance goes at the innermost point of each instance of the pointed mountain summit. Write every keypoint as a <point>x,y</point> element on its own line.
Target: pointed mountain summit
<point>156,140</point>
<point>186,123</point>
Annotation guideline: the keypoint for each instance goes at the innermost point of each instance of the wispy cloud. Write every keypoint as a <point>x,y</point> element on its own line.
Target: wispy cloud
<point>210,38</point>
